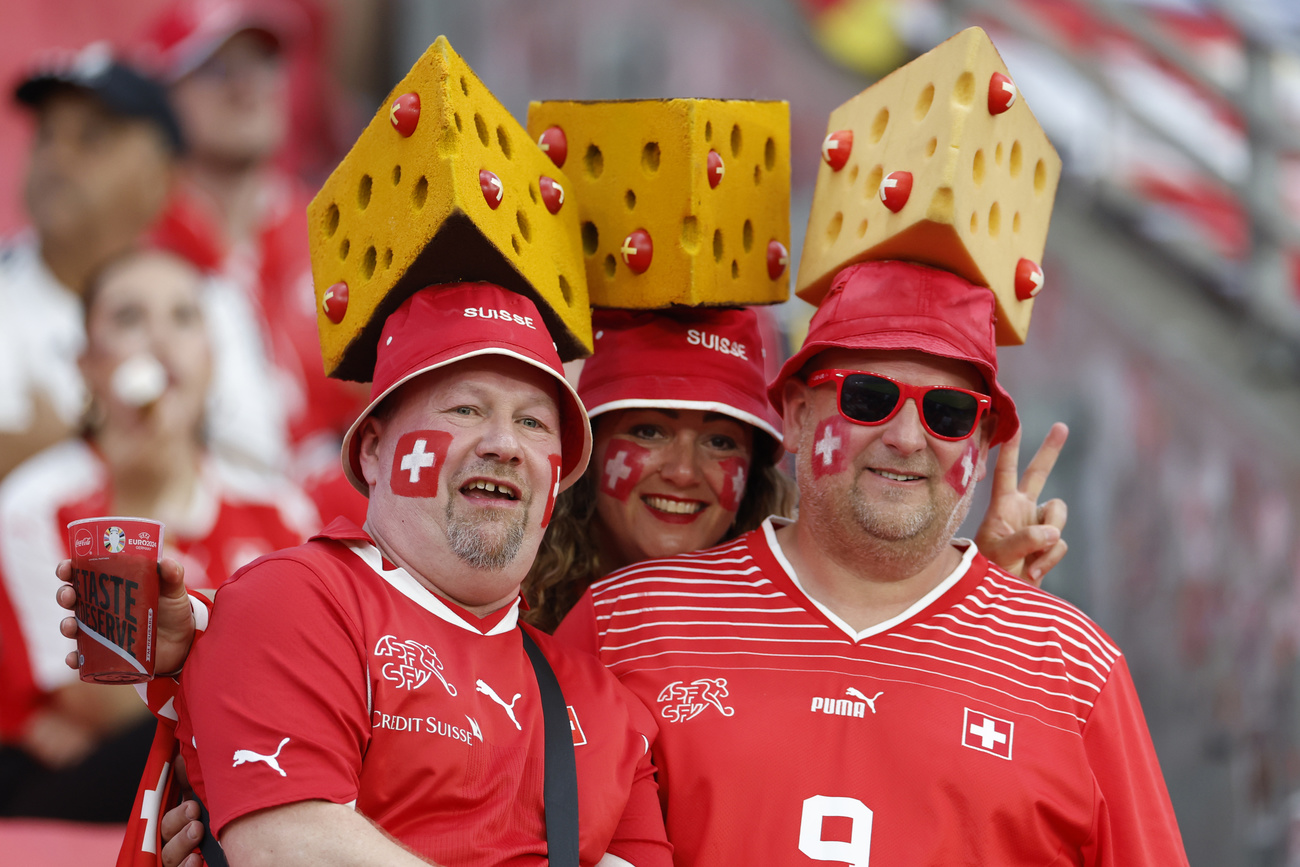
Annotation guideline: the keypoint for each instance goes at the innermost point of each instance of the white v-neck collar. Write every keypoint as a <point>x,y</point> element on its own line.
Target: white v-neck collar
<point>406,584</point>
<point>769,534</point>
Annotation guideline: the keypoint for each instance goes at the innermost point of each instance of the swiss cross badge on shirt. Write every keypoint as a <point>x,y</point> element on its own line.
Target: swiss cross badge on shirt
<point>417,461</point>
<point>987,734</point>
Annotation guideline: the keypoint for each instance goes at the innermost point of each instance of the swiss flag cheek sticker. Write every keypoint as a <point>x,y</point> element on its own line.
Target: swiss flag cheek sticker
<point>829,443</point>
<point>553,492</point>
<point>734,473</point>
<point>417,461</point>
<point>961,475</point>
<point>622,467</point>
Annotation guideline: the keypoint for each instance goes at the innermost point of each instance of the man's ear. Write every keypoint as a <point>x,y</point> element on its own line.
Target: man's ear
<point>794,399</point>
<point>368,436</point>
<point>988,427</point>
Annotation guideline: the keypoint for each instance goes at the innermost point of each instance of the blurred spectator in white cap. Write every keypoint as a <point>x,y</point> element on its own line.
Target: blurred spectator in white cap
<point>70,749</point>
<point>102,161</point>
<point>236,212</point>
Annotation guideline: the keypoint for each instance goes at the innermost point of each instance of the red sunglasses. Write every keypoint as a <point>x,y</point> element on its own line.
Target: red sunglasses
<point>868,398</point>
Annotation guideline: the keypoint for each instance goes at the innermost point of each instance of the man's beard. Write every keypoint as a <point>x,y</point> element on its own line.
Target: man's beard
<point>486,540</point>
<point>896,524</point>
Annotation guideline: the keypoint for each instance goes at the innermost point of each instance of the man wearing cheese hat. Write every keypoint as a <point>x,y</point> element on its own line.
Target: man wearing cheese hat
<point>379,675</point>
<point>470,434</point>
<point>857,685</point>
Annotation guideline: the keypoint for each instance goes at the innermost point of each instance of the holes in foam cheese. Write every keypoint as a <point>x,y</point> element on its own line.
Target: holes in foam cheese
<point>514,242</point>
<point>610,265</point>
<point>708,131</point>
<point>629,199</point>
<point>735,270</point>
<point>344,249</point>
<point>691,235</point>
<point>397,175</point>
<point>388,258</point>
<point>363,192</point>
<point>879,125</point>
<point>464,86</point>
<point>747,236</point>
<point>1017,159</point>
<point>1040,177</point>
<point>833,228</point>
<point>650,157</point>
<point>872,188</point>
<point>566,291</point>
<point>931,146</point>
<point>503,141</point>
<point>594,161</point>
<point>718,248</point>
<point>923,102</point>
<point>524,228</point>
<point>736,140</point>
<point>481,126</point>
<point>995,219</point>
<point>590,238</point>
<point>420,193</point>
<point>769,154</point>
<point>1015,222</point>
<point>974,222</point>
<point>977,168</point>
<point>862,229</point>
<point>964,91</point>
<point>331,220</point>
<point>368,263</point>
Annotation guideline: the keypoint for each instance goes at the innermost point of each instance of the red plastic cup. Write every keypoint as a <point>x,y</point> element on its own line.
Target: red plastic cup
<point>115,572</point>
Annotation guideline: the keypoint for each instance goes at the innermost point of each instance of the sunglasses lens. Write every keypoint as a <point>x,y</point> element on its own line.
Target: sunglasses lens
<point>950,413</point>
<point>868,398</point>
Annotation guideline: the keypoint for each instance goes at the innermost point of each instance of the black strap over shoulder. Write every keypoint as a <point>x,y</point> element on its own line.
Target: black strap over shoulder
<point>209,848</point>
<point>560,786</point>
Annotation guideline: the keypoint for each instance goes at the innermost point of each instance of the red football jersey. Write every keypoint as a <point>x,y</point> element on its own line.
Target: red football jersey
<point>991,723</point>
<point>328,673</point>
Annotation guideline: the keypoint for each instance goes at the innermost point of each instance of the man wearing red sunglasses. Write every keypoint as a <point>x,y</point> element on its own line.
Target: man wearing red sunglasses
<point>858,686</point>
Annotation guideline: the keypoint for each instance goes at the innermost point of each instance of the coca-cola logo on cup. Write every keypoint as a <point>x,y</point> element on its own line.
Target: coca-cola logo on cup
<point>83,543</point>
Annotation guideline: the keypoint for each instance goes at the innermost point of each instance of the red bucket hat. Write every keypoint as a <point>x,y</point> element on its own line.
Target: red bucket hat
<point>707,359</point>
<point>188,32</point>
<point>441,325</point>
<point>902,305</point>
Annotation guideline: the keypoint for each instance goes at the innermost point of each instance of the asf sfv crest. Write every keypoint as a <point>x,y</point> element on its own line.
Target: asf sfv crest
<point>413,663</point>
<point>682,701</point>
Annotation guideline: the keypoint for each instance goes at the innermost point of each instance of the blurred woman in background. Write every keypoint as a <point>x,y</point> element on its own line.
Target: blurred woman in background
<point>72,749</point>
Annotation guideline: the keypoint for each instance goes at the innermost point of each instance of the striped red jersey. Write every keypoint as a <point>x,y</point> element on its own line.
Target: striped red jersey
<point>990,723</point>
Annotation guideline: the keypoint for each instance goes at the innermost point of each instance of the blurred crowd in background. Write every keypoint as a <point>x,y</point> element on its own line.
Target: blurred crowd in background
<point>158,350</point>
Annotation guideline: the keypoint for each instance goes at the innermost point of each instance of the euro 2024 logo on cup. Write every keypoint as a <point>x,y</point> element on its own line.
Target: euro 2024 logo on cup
<point>114,540</point>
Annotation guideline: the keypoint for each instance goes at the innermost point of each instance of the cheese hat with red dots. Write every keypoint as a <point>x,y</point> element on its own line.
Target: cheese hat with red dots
<point>708,359</point>
<point>441,325</point>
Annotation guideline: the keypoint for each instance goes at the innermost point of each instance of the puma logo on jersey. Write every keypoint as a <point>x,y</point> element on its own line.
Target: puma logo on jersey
<point>845,707</point>
<point>242,756</point>
<point>482,687</point>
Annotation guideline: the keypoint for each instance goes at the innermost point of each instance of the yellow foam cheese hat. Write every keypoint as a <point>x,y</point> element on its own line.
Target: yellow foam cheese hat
<point>682,201</point>
<point>443,186</point>
<point>940,163</point>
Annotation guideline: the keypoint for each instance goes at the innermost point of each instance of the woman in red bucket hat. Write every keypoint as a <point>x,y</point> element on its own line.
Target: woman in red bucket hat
<point>685,449</point>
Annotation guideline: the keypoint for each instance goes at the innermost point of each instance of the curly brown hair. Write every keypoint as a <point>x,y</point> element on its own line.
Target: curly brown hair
<point>568,561</point>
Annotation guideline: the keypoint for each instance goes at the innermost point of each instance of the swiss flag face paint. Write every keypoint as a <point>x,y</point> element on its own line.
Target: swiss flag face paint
<point>622,467</point>
<point>553,492</point>
<point>961,475</point>
<point>417,461</point>
<point>735,472</point>
<point>829,444</point>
